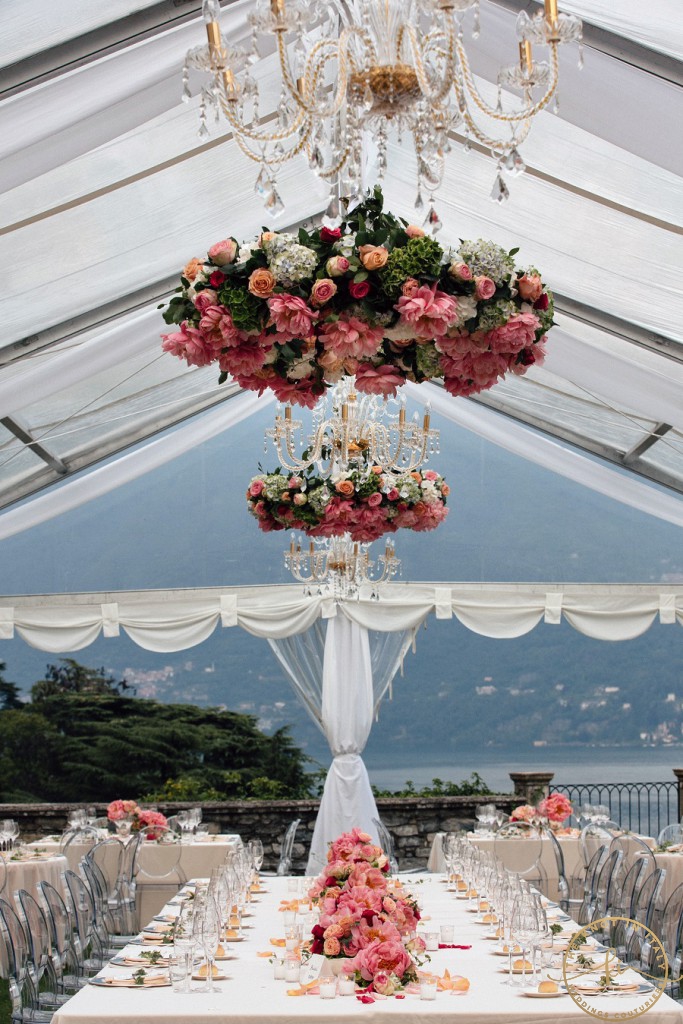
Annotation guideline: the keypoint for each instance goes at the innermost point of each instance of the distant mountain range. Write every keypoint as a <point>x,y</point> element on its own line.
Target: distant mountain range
<point>186,525</point>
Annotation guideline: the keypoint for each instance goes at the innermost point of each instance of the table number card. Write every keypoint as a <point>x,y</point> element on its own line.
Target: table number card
<point>311,970</point>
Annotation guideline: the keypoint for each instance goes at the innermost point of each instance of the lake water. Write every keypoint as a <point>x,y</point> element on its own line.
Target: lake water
<point>570,765</point>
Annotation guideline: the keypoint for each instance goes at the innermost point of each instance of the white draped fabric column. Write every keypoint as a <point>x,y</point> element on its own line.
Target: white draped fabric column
<point>347,708</point>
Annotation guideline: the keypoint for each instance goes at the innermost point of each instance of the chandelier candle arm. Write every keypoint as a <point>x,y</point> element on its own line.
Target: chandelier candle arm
<point>373,67</point>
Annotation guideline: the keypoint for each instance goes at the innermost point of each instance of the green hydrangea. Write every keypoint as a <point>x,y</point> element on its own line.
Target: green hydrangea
<point>496,314</point>
<point>408,488</point>
<point>319,498</point>
<point>274,485</point>
<point>247,312</point>
<point>427,361</point>
<point>421,257</point>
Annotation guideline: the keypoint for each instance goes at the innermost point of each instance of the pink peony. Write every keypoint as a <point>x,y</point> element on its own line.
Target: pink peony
<point>217,323</point>
<point>245,358</point>
<point>518,333</point>
<point>390,957</point>
<point>291,316</point>
<point>378,380</point>
<point>299,392</point>
<point>190,344</point>
<point>525,812</point>
<point>485,287</point>
<point>430,311</point>
<point>223,252</point>
<point>432,516</point>
<point>322,291</point>
<point>556,807</point>
<point>350,336</point>
<point>119,809</point>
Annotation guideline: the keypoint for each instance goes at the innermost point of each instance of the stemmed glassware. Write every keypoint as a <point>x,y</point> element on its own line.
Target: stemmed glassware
<point>183,818</point>
<point>184,939</point>
<point>9,830</point>
<point>255,848</point>
<point>524,928</point>
<point>209,935</point>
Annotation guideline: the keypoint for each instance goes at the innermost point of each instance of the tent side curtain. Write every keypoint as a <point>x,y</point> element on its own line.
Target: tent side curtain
<point>172,621</point>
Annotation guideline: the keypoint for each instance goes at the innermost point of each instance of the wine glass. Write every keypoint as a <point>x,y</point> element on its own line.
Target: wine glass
<point>183,819</point>
<point>523,928</point>
<point>210,937</point>
<point>255,848</point>
<point>184,940</point>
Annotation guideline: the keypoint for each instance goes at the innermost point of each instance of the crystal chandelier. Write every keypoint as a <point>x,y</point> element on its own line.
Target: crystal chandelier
<point>340,566</point>
<point>352,431</point>
<point>351,70</point>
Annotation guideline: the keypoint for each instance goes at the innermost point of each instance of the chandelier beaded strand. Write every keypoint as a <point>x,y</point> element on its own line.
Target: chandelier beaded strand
<point>369,68</point>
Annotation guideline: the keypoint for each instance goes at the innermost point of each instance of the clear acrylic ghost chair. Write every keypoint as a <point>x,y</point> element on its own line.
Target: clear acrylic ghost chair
<point>92,935</point>
<point>592,838</point>
<point>44,956</point>
<point>518,846</point>
<point>156,864</point>
<point>387,843</point>
<point>672,835</point>
<point>3,874</point>
<point>21,975</point>
<point>285,865</point>
<point>568,891</point>
<point>63,936</point>
<point>647,911</point>
<point>78,839</point>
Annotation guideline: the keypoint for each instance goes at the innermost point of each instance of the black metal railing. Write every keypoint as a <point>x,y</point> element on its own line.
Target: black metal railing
<point>645,807</point>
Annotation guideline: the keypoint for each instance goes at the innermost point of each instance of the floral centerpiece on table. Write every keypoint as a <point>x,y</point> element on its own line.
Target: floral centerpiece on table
<point>555,809</point>
<point>375,298</point>
<point>130,811</point>
<point>366,925</point>
<point>365,502</point>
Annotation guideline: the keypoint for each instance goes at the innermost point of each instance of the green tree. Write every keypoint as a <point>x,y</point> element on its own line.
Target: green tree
<point>71,677</point>
<point>9,692</point>
<point>29,757</point>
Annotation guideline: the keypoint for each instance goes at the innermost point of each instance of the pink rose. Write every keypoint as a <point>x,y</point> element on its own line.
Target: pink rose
<point>384,984</point>
<point>409,287</point>
<point>205,298</point>
<point>460,271</point>
<point>322,291</point>
<point>223,252</point>
<point>393,494</point>
<point>358,289</point>
<point>485,287</point>
<point>374,499</point>
<point>530,287</point>
<point>329,235</point>
<point>255,488</point>
<point>413,231</point>
<point>332,947</point>
<point>291,316</point>
<point>337,265</point>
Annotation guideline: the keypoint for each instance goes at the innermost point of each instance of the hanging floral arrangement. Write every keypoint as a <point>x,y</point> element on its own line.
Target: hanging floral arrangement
<point>365,502</point>
<point>374,298</point>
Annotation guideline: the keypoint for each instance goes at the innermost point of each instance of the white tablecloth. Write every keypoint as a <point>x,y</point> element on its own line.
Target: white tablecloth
<point>251,996</point>
<point>26,874</point>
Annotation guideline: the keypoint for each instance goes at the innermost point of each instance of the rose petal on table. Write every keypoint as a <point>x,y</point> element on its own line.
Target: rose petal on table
<point>278,942</point>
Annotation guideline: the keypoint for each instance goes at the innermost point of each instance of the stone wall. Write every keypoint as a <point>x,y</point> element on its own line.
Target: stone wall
<point>412,821</point>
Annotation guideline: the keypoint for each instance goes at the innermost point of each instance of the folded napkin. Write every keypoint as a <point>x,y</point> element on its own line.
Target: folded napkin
<point>150,981</point>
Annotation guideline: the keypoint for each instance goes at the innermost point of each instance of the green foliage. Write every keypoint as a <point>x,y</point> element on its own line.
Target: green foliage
<point>247,311</point>
<point>473,786</point>
<point>83,739</point>
<point>9,692</point>
<point>420,257</point>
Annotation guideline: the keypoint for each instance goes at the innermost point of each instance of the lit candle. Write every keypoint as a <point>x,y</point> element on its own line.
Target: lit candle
<point>328,988</point>
<point>347,986</point>
<point>428,988</point>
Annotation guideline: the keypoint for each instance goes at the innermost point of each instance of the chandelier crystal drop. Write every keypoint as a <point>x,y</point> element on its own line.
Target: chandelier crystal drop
<point>352,430</point>
<point>374,69</point>
<point>339,567</point>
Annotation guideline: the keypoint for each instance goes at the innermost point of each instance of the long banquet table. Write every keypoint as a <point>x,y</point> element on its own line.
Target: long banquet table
<point>251,996</point>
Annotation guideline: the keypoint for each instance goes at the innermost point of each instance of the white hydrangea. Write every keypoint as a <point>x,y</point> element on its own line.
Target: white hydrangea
<point>467,308</point>
<point>346,245</point>
<point>299,369</point>
<point>487,259</point>
<point>292,264</point>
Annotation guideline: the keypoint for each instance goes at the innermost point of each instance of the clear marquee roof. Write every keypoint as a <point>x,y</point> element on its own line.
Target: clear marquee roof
<point>108,192</point>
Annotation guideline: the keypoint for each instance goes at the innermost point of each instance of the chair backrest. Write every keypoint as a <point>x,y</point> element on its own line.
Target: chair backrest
<point>157,854</point>
<point>285,865</point>
<point>562,883</point>
<point>45,959</point>
<point>672,925</point>
<point>631,879</point>
<point>84,838</point>
<point>15,940</point>
<point>58,917</point>
<point>82,906</point>
<point>672,834</point>
<point>3,874</point>
<point>605,883</point>
<point>106,856</point>
<point>648,896</point>
<point>386,842</point>
<point>592,838</point>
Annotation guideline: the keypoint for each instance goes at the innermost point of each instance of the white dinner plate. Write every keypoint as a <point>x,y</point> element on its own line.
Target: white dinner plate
<point>533,993</point>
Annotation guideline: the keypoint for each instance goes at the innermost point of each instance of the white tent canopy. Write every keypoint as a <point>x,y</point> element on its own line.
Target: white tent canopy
<point>108,193</point>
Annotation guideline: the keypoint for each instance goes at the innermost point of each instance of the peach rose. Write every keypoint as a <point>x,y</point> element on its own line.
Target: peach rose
<point>373,256</point>
<point>267,236</point>
<point>409,287</point>
<point>445,490</point>
<point>322,291</point>
<point>460,271</point>
<point>191,269</point>
<point>530,287</point>
<point>332,947</point>
<point>413,231</point>
<point>345,487</point>
<point>300,499</point>
<point>261,283</point>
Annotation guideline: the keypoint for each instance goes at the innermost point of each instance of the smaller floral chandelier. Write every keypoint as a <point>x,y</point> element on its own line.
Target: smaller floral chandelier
<point>374,69</point>
<point>340,567</point>
<point>350,431</point>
